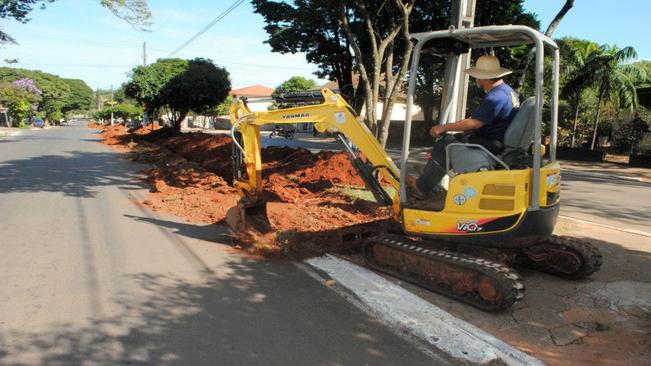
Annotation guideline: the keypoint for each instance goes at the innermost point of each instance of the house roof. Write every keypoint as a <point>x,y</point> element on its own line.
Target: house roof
<point>253,91</point>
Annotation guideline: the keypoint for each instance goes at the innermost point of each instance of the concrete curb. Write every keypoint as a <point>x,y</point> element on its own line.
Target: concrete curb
<point>603,175</point>
<point>419,318</point>
<point>629,231</point>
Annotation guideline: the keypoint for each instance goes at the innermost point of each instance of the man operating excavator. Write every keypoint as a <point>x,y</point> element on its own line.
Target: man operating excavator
<point>485,127</point>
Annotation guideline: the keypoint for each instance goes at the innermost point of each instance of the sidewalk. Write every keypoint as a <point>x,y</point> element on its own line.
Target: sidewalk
<point>9,131</point>
<point>611,169</point>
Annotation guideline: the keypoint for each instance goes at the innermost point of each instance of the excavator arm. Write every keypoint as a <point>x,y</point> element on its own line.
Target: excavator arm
<point>334,115</point>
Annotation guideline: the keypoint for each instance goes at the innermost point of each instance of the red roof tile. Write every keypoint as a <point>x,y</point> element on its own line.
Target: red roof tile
<point>253,91</point>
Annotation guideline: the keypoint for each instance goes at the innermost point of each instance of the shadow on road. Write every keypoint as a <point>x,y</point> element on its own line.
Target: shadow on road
<point>210,232</point>
<point>75,174</point>
<point>242,317</point>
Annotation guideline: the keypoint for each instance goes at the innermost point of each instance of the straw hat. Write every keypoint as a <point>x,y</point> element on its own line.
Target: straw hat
<point>487,67</point>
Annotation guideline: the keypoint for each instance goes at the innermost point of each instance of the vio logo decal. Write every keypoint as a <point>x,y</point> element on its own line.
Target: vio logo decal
<point>468,226</point>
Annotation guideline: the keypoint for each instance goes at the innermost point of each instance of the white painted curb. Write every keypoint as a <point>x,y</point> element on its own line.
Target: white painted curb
<point>577,172</point>
<point>401,308</point>
<point>630,231</point>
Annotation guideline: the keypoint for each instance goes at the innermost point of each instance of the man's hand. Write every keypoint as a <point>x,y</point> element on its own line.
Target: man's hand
<point>437,130</point>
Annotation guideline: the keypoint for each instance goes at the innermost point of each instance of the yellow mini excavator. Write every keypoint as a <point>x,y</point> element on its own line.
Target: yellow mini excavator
<point>497,211</point>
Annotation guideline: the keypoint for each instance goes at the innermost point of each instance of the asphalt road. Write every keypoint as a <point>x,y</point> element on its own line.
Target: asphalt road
<point>621,203</point>
<point>90,277</point>
<point>596,198</point>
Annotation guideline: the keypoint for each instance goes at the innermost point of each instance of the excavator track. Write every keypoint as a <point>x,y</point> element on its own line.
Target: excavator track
<point>565,257</point>
<point>485,284</point>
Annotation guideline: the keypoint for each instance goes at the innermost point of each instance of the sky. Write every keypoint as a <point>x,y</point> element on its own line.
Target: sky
<point>80,39</point>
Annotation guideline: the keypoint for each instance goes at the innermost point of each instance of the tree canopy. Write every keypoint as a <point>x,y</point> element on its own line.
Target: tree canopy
<point>295,84</point>
<point>180,86</point>
<point>147,82</point>
<point>58,97</point>
<point>369,37</point>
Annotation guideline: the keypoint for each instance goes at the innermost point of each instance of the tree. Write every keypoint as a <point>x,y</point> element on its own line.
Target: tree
<point>311,27</point>
<point>382,24</point>
<point>295,84</point>
<point>577,74</point>
<point>548,32</point>
<point>147,82</point>
<point>79,98</point>
<point>291,85</point>
<point>21,96</point>
<point>54,89</point>
<point>199,86</point>
<point>134,12</point>
<point>615,81</point>
<point>316,28</point>
<point>630,133</point>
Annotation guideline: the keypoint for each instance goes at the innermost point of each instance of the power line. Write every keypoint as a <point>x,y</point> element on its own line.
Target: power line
<point>207,27</point>
<point>79,40</point>
<point>72,65</point>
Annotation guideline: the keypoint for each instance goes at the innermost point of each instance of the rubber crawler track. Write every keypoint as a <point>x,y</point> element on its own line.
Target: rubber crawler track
<point>589,263</point>
<point>507,283</point>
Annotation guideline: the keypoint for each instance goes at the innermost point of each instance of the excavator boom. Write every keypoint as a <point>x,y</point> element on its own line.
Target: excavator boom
<point>334,115</point>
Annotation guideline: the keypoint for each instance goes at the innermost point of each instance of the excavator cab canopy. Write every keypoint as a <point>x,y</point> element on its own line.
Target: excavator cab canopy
<point>452,44</point>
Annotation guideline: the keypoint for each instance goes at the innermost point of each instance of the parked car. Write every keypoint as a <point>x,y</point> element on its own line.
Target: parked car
<point>36,122</point>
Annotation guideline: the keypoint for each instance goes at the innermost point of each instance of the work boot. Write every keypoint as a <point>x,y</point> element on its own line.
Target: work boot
<point>413,188</point>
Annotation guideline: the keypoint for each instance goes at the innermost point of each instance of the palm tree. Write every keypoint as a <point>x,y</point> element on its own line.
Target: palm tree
<point>577,70</point>
<point>614,80</point>
<point>605,69</point>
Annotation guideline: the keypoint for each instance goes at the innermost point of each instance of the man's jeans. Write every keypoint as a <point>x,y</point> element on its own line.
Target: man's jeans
<point>435,168</point>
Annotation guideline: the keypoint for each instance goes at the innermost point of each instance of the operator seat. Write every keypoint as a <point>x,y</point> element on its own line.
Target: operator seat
<point>467,158</point>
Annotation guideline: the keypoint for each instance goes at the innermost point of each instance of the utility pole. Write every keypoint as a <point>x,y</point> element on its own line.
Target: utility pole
<point>145,118</point>
<point>463,16</point>
<point>112,104</point>
<point>144,53</point>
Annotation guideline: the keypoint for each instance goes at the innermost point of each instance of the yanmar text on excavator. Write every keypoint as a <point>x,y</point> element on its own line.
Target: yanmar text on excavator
<point>499,209</point>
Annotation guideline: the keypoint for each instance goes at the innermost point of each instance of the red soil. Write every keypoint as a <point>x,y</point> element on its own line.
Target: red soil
<point>193,172</point>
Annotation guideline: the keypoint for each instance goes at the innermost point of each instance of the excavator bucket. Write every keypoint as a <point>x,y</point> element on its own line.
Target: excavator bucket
<point>248,213</point>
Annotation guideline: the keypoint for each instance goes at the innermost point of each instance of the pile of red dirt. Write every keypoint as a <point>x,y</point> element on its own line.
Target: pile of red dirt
<point>303,190</point>
<point>116,135</point>
<point>185,189</point>
<point>93,124</point>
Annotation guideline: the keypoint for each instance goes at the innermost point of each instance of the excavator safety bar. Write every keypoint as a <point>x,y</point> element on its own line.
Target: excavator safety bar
<point>334,115</point>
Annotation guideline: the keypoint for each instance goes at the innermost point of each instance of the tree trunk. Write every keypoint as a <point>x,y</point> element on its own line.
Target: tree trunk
<point>394,81</point>
<point>178,119</point>
<point>550,30</point>
<point>386,121</point>
<point>378,47</point>
<point>576,122</point>
<point>596,124</point>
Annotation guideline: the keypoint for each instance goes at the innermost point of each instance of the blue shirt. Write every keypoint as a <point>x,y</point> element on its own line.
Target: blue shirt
<point>496,111</point>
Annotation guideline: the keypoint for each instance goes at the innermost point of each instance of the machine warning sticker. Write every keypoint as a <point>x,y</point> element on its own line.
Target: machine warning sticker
<point>470,192</point>
<point>468,226</point>
<point>460,199</point>
<point>340,117</point>
<point>552,180</point>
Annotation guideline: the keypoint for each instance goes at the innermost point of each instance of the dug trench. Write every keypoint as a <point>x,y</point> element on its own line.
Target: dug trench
<point>304,192</point>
